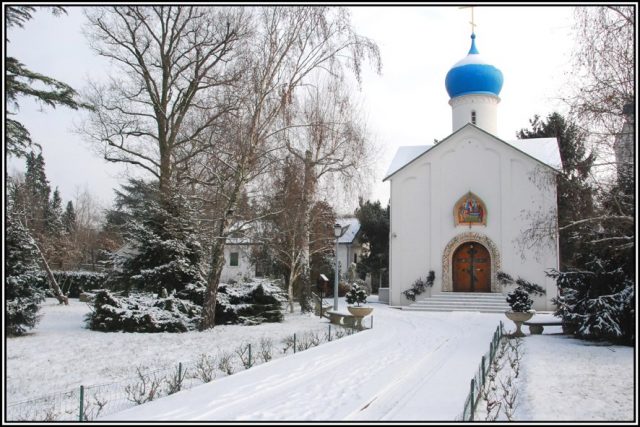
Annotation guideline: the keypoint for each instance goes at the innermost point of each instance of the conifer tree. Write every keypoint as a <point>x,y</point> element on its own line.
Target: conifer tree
<point>162,246</point>
<point>374,230</point>
<point>21,294</point>
<point>69,218</point>
<point>37,193</point>
<point>54,224</point>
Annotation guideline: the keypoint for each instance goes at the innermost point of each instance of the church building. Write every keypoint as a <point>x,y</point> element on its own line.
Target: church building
<point>464,207</point>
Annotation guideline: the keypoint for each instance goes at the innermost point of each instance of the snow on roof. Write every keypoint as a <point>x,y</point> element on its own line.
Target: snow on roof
<point>350,234</point>
<point>544,150</point>
<point>404,155</point>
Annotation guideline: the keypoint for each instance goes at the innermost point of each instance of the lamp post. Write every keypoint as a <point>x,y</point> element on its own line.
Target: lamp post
<point>337,232</point>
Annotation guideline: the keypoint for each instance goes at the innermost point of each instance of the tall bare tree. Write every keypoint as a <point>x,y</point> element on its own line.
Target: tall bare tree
<point>288,239</point>
<point>290,45</point>
<point>602,104</point>
<point>170,61</point>
<point>331,141</point>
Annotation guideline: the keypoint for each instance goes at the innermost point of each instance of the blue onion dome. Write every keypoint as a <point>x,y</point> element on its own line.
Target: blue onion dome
<point>473,75</point>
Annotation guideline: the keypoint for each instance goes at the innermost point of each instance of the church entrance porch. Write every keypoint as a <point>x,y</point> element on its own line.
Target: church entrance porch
<point>471,268</point>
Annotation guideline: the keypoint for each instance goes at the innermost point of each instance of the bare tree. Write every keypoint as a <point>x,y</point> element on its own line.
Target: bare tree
<point>290,45</point>
<point>291,242</point>
<point>604,89</point>
<point>86,234</point>
<point>330,142</point>
<point>171,61</point>
<point>604,67</point>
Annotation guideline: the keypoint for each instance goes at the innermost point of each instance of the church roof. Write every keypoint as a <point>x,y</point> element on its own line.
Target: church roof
<point>544,150</point>
<point>473,75</point>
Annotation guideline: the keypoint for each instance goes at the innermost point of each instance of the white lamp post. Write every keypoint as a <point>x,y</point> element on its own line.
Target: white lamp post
<point>337,232</point>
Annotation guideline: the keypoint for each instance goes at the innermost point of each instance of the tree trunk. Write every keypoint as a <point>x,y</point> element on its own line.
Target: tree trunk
<point>217,255</point>
<point>213,280</point>
<point>308,191</point>
<point>292,279</point>
<point>62,299</point>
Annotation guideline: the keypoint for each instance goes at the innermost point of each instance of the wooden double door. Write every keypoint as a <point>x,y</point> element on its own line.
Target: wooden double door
<point>471,268</point>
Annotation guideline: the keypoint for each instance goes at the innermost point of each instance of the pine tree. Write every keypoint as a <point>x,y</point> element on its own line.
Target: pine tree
<point>36,194</point>
<point>597,300</point>
<point>374,230</point>
<point>53,220</point>
<point>69,218</point>
<point>21,294</point>
<point>163,249</point>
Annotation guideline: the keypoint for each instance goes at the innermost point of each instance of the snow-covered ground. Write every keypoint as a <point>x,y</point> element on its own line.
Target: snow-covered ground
<point>410,366</point>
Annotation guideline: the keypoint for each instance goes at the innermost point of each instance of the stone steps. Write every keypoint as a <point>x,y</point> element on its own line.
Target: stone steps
<point>462,301</point>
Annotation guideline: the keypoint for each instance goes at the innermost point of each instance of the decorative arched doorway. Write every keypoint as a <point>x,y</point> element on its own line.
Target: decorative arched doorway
<point>471,268</point>
<point>455,243</point>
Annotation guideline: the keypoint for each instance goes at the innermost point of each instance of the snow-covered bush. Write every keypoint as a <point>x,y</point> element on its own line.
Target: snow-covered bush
<point>243,303</point>
<point>249,303</point>
<point>20,291</point>
<point>356,295</point>
<point>598,302</point>
<point>419,286</point>
<point>142,313</point>
<point>519,300</point>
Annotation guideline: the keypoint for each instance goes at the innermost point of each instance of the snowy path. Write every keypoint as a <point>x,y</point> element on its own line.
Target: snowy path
<point>412,365</point>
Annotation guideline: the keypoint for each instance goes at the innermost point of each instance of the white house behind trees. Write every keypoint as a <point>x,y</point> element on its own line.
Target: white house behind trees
<point>461,207</point>
<point>350,248</point>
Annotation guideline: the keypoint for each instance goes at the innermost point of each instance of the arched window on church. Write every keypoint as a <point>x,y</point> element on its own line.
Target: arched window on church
<point>473,117</point>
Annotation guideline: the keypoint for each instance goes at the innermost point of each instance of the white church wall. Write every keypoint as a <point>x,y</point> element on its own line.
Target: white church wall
<point>409,231</point>
<point>424,193</point>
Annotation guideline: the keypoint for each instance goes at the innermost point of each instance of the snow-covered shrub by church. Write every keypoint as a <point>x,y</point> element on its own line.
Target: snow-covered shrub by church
<point>599,301</point>
<point>356,295</point>
<point>519,299</point>
<point>419,286</point>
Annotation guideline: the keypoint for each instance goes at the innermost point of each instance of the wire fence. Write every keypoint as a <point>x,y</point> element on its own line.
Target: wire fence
<point>478,381</point>
<point>87,403</point>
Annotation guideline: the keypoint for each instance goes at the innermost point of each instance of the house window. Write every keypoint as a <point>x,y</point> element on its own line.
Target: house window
<point>260,269</point>
<point>355,258</point>
<point>473,117</point>
<point>233,262</point>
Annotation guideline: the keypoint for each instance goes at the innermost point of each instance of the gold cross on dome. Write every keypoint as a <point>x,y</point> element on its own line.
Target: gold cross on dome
<point>473,23</point>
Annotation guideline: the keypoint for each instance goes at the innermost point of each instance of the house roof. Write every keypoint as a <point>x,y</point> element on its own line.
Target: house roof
<point>352,231</point>
<point>543,150</point>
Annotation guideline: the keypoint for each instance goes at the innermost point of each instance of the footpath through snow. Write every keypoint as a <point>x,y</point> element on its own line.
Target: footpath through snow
<point>410,366</point>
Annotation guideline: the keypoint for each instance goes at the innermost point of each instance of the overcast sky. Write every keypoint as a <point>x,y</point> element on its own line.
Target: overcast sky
<point>406,105</point>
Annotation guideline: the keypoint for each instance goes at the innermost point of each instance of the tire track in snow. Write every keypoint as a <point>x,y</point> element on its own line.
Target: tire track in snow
<point>385,404</point>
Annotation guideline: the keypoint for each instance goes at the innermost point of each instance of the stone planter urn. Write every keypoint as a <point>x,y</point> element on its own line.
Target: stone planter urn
<point>359,313</point>
<point>518,317</point>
